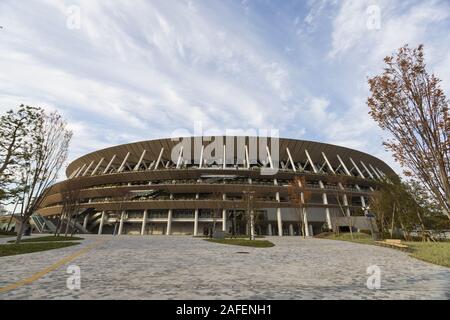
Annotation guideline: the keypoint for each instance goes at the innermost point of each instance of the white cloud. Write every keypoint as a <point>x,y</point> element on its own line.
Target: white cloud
<point>139,70</point>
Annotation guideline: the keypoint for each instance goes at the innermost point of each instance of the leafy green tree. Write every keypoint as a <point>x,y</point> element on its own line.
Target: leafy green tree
<point>403,206</point>
<point>43,159</point>
<point>15,126</point>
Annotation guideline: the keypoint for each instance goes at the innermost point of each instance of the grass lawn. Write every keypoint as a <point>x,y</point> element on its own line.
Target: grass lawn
<point>244,242</point>
<point>434,252</point>
<point>357,237</point>
<point>6,236</point>
<point>14,249</point>
<point>48,239</point>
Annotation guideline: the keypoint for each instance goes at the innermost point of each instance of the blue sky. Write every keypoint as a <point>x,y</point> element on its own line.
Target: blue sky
<point>137,70</point>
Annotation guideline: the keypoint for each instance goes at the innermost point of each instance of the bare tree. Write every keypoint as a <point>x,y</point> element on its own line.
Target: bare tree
<point>71,206</point>
<point>341,182</point>
<point>44,157</point>
<point>299,197</point>
<point>249,198</point>
<point>408,103</point>
<point>218,197</point>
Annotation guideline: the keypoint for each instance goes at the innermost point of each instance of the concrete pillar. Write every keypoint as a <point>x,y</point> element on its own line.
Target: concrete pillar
<point>310,229</point>
<point>363,201</point>
<point>291,230</point>
<point>307,233</point>
<point>122,216</point>
<point>345,199</point>
<point>102,219</point>
<point>224,215</point>
<point>144,222</point>
<point>347,209</point>
<point>196,222</point>
<point>85,222</point>
<point>280,222</point>
<point>269,229</point>
<point>325,202</point>
<point>169,223</point>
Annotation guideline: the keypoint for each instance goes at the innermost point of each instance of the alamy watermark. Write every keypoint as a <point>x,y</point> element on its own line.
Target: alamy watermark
<point>373,21</point>
<point>73,282</point>
<point>233,147</point>
<point>73,20</point>
<point>374,280</point>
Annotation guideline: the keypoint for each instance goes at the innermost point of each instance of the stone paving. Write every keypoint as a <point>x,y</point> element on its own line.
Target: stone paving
<point>183,267</point>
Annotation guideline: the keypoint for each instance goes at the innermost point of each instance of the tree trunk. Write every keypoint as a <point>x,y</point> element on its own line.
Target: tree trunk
<point>69,218</point>
<point>350,225</point>
<point>393,220</point>
<point>20,232</point>
<point>58,226</point>
<point>252,225</point>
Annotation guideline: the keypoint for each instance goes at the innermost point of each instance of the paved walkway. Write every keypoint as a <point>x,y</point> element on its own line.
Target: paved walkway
<point>182,267</point>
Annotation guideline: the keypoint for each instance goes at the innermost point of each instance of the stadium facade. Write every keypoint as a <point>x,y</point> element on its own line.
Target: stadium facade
<point>187,185</point>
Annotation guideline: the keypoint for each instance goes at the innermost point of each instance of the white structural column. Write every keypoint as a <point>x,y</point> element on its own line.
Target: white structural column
<point>81,170</point>
<point>109,164</point>
<point>224,164</point>
<point>169,219</point>
<point>180,157</point>
<point>375,171</point>
<point>74,173</point>
<point>325,202</point>
<point>85,222</point>
<point>87,169</point>
<point>122,217</point>
<point>269,157</point>
<point>224,215</point>
<point>201,156</point>
<point>122,166</point>
<point>381,173</point>
<point>305,221</point>
<point>269,229</point>
<point>343,165</point>
<point>247,159</point>
<point>290,159</point>
<point>196,222</point>
<point>291,230</point>
<point>144,222</point>
<point>328,163</point>
<point>169,223</point>
<point>279,220</point>
<point>305,216</point>
<point>102,219</point>
<point>357,169</point>
<point>347,209</point>
<point>363,201</point>
<point>367,170</point>
<point>311,162</point>
<point>136,167</point>
<point>196,217</point>
<point>159,159</point>
<point>97,166</point>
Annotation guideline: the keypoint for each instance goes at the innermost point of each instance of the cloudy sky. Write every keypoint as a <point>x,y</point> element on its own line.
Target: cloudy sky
<point>122,71</point>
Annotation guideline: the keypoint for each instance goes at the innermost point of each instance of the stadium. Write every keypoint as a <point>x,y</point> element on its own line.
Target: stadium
<point>189,185</point>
